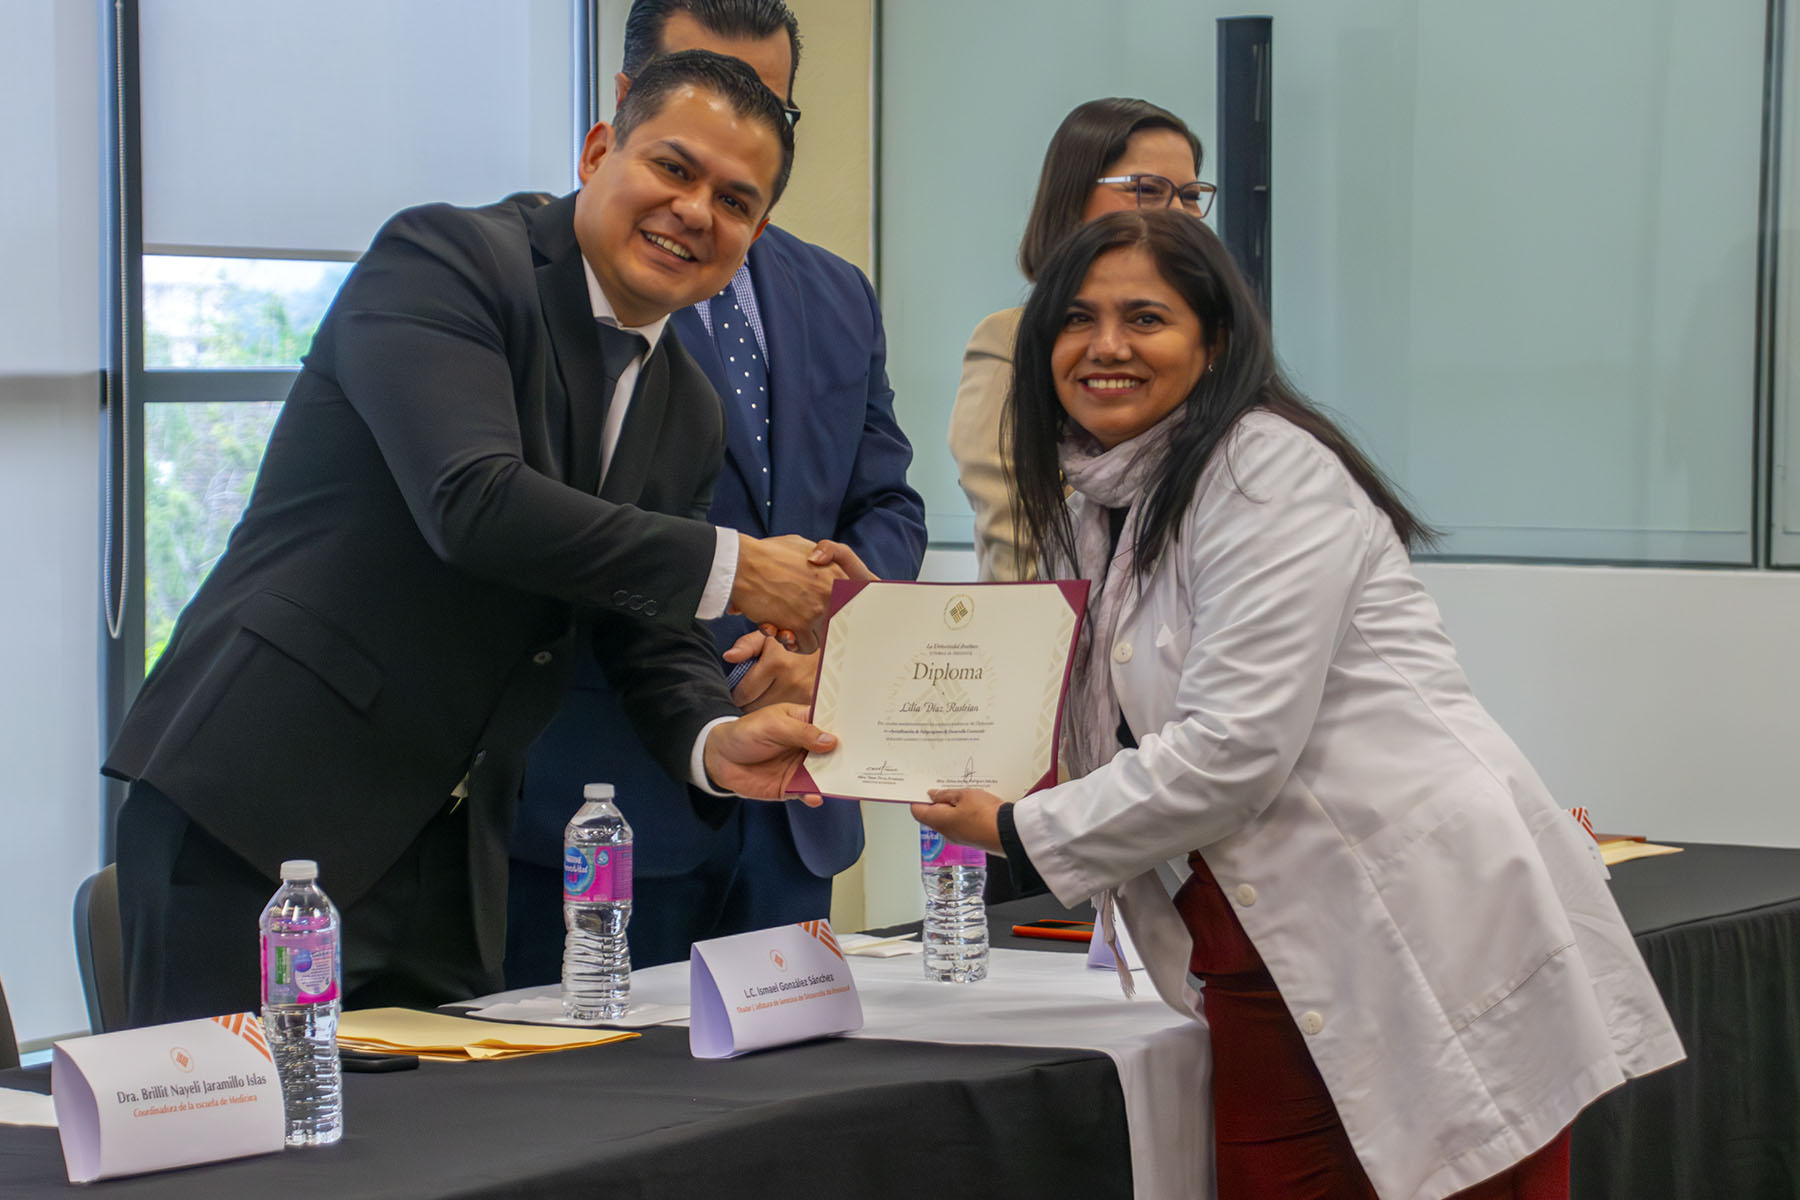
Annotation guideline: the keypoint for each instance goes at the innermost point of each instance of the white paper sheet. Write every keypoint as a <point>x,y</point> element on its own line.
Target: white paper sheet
<point>543,1006</point>
<point>867,946</point>
<point>26,1108</point>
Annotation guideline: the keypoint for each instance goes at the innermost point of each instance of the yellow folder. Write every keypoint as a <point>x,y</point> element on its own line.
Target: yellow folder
<point>445,1038</point>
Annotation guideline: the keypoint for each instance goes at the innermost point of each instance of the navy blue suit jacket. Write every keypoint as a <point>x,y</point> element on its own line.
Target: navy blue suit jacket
<point>838,466</point>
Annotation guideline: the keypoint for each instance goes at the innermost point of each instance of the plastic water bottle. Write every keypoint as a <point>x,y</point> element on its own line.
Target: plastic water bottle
<point>302,985</point>
<point>956,931</point>
<point>596,908</point>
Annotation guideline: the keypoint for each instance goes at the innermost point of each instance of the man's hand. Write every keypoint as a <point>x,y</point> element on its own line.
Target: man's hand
<point>828,552</point>
<point>759,752</point>
<point>967,816</point>
<point>779,676</point>
<point>778,585</point>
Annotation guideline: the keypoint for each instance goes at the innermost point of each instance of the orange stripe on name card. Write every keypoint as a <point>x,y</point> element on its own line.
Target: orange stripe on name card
<point>248,1028</point>
<point>822,931</point>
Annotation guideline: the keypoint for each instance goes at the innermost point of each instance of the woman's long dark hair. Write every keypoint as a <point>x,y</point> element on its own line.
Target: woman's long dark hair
<point>1244,376</point>
<point>1090,139</point>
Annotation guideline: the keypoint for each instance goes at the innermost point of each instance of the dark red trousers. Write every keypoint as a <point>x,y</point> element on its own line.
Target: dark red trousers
<point>1277,1132</point>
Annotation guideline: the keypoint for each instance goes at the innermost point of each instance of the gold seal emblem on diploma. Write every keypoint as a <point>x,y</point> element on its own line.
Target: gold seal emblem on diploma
<point>939,685</point>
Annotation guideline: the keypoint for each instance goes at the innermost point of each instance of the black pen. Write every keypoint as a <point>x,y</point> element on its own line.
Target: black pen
<point>370,1063</point>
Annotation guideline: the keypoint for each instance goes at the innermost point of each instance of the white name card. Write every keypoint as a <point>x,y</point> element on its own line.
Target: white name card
<point>166,1096</point>
<point>769,987</point>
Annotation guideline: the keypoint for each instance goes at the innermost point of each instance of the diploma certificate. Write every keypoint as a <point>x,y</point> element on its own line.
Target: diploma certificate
<point>942,685</point>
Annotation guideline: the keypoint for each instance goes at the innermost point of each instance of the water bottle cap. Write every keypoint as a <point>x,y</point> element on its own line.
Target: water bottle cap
<point>299,868</point>
<point>597,791</point>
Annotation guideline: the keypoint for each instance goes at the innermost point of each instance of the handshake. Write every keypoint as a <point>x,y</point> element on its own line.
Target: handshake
<point>784,585</point>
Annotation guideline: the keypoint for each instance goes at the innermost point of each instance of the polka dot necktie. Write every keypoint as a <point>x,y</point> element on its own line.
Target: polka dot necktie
<point>746,375</point>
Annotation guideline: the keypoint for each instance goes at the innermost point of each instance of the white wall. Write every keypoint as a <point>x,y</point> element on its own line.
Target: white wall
<point>50,233</point>
<point>1664,701</point>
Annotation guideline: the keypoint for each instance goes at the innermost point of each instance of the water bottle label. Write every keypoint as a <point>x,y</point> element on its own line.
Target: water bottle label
<point>936,851</point>
<point>300,968</point>
<point>597,873</point>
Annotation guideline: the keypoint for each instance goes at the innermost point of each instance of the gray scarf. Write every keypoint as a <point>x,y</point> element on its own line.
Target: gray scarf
<point>1107,479</point>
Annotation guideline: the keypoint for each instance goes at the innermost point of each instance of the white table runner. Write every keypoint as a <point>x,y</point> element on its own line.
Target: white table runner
<point>1164,1060</point>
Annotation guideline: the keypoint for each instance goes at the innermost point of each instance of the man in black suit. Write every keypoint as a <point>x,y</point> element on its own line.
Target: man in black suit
<point>490,448</point>
<point>812,448</point>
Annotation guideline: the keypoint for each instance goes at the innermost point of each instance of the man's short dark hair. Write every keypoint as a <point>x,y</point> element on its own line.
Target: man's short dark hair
<point>750,20</point>
<point>729,78</point>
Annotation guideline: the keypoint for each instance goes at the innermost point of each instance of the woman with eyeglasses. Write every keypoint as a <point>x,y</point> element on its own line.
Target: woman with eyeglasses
<point>1412,970</point>
<point>1107,155</point>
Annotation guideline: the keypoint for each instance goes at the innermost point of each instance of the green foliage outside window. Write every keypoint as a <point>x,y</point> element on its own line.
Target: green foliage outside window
<point>200,462</point>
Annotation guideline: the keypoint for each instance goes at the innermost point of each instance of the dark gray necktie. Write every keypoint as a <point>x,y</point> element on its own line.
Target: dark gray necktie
<point>617,348</point>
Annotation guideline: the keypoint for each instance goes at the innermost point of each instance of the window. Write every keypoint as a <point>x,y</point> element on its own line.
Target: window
<point>271,144</point>
<point>258,149</point>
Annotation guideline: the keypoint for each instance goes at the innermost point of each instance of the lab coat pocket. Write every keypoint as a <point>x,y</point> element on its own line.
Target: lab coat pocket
<point>1469,895</point>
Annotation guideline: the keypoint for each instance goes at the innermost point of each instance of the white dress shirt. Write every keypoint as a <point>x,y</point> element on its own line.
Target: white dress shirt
<point>717,594</point>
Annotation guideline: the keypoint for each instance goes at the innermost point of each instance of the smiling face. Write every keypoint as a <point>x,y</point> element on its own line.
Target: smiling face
<point>1148,152</point>
<point>1130,350</point>
<point>666,217</point>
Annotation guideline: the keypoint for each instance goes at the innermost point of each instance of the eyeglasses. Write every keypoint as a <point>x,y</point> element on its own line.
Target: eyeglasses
<point>792,114</point>
<point>1157,191</point>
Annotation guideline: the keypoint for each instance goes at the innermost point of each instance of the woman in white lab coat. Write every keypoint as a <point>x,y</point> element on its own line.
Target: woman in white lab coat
<point>1414,973</point>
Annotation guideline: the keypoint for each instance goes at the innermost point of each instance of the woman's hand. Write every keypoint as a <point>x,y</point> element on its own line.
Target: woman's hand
<point>967,816</point>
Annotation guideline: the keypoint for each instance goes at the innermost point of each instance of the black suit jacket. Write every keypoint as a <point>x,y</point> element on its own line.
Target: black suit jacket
<point>397,610</point>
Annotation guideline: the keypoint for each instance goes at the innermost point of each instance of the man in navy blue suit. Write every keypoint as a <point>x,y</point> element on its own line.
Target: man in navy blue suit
<point>795,347</point>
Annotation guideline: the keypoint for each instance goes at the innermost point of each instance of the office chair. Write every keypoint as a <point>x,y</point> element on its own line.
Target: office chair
<point>100,949</point>
<point>9,1042</point>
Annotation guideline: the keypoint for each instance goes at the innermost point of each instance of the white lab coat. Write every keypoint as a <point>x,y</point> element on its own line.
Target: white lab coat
<point>1440,929</point>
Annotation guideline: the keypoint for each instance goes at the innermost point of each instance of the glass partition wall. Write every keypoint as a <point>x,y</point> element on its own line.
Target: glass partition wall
<point>1515,247</point>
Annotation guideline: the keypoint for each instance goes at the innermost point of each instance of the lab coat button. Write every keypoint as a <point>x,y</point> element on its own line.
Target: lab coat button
<point>1122,652</point>
<point>1311,1022</point>
<point>1246,895</point>
<point>541,658</point>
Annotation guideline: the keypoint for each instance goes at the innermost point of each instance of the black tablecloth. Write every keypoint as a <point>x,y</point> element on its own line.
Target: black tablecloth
<point>642,1119</point>
<point>1719,927</point>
